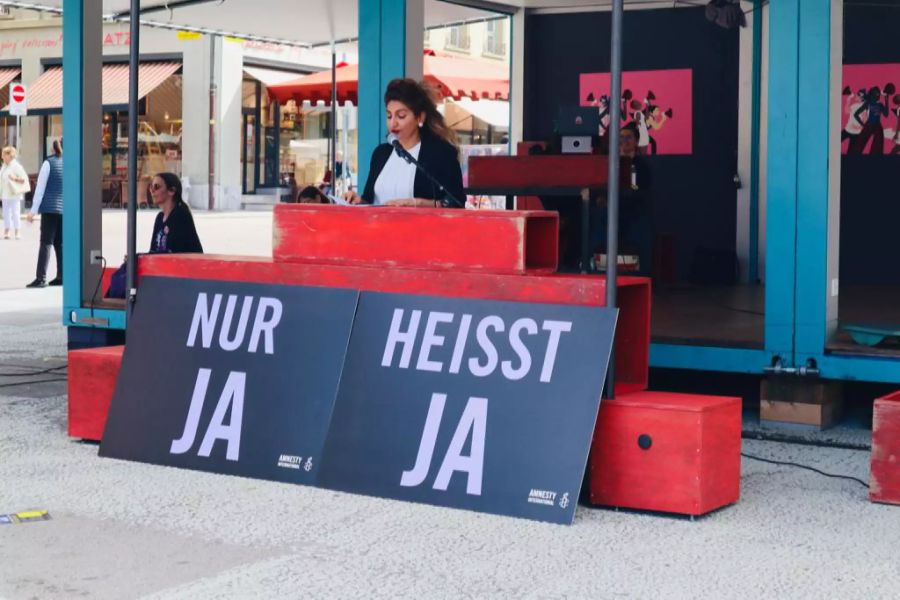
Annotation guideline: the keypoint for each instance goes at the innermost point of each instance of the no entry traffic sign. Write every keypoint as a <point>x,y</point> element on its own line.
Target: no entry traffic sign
<point>18,100</point>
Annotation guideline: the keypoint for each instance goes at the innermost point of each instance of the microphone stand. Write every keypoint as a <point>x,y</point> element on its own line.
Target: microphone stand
<point>405,155</point>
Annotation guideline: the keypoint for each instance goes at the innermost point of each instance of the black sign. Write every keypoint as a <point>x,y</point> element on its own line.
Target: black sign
<point>483,405</point>
<point>233,378</point>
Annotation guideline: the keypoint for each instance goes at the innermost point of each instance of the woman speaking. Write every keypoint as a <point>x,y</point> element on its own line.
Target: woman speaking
<point>415,123</point>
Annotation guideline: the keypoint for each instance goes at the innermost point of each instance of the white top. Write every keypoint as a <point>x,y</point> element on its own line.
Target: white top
<point>40,187</point>
<point>397,178</point>
<point>9,189</point>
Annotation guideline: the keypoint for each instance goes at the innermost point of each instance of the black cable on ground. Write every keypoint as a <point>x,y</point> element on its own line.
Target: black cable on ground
<point>30,372</point>
<point>808,468</point>
<point>20,383</point>
<point>789,438</point>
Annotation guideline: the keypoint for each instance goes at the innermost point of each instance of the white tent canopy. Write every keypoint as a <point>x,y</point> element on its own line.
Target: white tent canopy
<point>300,21</point>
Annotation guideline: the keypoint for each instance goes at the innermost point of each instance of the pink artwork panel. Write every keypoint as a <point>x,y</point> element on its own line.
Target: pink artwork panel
<point>660,102</point>
<point>870,109</point>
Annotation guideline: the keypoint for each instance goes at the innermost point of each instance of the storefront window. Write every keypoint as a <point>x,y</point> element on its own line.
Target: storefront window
<point>303,142</point>
<point>159,130</point>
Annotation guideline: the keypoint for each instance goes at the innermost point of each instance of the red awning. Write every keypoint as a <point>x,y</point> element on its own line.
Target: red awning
<point>8,75</point>
<point>46,93</point>
<point>455,77</point>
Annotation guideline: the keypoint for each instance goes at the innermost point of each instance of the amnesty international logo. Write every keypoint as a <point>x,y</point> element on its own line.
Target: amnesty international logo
<point>564,501</point>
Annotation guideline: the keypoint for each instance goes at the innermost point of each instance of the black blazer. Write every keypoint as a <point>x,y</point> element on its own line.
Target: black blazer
<point>436,155</point>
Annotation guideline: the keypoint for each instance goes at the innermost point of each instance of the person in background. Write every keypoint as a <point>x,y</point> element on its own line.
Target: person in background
<point>311,195</point>
<point>635,204</point>
<point>14,185</point>
<point>173,231</point>
<point>48,202</point>
<point>413,119</point>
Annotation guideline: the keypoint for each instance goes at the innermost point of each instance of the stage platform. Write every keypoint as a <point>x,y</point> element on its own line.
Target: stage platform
<point>734,317</point>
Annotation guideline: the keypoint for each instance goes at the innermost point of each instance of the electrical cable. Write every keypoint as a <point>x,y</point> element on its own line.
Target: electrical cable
<point>31,372</point>
<point>808,468</point>
<point>20,383</point>
<point>97,287</point>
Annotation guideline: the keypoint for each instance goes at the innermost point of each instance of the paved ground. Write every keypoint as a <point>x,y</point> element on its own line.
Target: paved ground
<point>124,530</point>
<point>247,233</point>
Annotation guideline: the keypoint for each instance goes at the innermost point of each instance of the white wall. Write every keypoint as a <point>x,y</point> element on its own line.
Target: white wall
<point>195,129</point>
<point>229,75</point>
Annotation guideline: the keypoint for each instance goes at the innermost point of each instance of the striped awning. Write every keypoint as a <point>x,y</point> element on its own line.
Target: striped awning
<point>8,75</point>
<point>46,93</point>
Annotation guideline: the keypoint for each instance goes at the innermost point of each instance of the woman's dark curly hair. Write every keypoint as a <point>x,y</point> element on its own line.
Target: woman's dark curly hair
<point>417,97</point>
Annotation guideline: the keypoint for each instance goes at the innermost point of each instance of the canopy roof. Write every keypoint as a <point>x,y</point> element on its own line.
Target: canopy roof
<point>455,77</point>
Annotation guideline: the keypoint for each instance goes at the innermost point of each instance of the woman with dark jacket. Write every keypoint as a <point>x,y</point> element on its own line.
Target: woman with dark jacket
<point>173,230</point>
<point>414,121</point>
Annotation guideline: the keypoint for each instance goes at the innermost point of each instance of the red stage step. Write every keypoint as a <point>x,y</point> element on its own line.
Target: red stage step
<point>885,484</point>
<point>632,331</point>
<point>92,382</point>
<point>486,241</point>
<point>659,451</point>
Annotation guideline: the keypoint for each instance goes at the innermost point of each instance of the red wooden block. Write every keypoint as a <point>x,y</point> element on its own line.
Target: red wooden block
<point>539,171</point>
<point>678,453</point>
<point>632,333</point>
<point>92,381</point>
<point>885,484</point>
<point>488,241</point>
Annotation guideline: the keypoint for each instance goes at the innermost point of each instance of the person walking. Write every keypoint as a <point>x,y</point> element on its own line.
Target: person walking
<point>48,202</point>
<point>14,185</point>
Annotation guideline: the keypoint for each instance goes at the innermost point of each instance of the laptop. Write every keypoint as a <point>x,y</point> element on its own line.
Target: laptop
<point>578,121</point>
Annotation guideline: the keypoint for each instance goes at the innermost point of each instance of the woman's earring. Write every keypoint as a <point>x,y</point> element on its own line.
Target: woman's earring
<point>420,125</point>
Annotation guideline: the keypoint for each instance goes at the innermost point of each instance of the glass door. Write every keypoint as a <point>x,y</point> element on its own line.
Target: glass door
<point>249,164</point>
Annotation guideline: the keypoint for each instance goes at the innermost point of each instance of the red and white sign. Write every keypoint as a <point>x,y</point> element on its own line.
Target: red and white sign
<point>18,100</point>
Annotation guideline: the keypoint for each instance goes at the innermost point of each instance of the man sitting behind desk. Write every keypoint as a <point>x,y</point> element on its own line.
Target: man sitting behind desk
<point>635,205</point>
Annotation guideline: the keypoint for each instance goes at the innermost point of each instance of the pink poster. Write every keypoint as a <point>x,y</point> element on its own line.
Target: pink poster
<point>870,109</point>
<point>659,102</point>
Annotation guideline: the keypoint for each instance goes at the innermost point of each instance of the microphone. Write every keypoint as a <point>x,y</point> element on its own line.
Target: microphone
<point>394,141</point>
<point>449,200</point>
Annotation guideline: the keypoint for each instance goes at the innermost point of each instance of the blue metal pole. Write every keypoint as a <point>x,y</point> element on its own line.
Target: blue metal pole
<point>73,121</point>
<point>382,57</point>
<point>781,213</point>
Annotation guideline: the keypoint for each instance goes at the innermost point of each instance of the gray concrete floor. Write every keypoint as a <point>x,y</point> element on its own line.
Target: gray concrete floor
<point>126,530</point>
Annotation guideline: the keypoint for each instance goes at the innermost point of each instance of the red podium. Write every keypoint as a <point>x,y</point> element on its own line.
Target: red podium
<point>570,175</point>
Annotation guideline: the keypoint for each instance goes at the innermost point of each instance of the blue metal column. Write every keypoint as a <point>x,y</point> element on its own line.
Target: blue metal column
<point>782,184</point>
<point>73,161</point>
<point>82,27</point>
<point>382,57</point>
<point>814,128</point>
